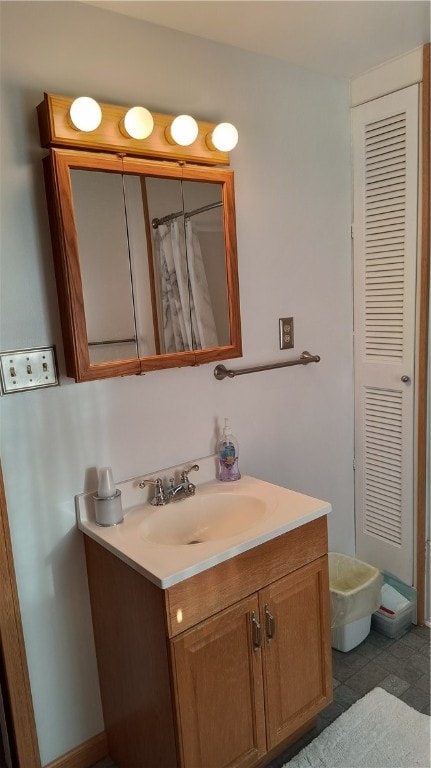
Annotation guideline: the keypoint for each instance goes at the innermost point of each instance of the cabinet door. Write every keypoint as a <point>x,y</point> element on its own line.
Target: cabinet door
<point>217,672</point>
<point>297,649</point>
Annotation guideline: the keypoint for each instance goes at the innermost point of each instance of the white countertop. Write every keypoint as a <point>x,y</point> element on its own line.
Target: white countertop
<point>168,564</point>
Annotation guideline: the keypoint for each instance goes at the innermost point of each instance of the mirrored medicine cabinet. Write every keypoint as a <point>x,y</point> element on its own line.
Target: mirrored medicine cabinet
<point>145,260</point>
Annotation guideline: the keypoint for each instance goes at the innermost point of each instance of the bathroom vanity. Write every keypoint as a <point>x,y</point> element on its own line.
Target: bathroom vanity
<point>214,653</point>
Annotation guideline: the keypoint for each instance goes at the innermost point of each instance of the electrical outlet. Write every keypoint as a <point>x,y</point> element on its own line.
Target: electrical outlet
<point>286,332</point>
<point>25,369</point>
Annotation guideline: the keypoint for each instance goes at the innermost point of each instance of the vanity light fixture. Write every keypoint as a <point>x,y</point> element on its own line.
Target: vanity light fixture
<point>138,123</point>
<point>85,114</point>
<point>78,123</point>
<point>224,137</point>
<point>183,131</point>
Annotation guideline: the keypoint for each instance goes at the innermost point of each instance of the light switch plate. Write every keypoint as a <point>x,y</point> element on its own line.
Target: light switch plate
<point>23,369</point>
<point>286,332</point>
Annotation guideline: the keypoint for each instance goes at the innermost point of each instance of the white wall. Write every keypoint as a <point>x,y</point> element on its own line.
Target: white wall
<point>295,428</point>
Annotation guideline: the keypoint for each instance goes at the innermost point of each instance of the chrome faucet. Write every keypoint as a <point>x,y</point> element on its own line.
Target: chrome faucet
<point>185,488</point>
<point>182,490</point>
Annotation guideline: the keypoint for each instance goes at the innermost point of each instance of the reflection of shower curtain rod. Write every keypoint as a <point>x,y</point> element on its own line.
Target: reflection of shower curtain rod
<point>171,216</point>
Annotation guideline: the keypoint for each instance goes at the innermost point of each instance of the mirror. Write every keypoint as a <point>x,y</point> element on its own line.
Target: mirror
<point>105,264</point>
<point>146,264</point>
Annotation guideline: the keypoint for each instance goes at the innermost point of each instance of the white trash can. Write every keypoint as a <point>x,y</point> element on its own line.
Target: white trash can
<point>355,593</point>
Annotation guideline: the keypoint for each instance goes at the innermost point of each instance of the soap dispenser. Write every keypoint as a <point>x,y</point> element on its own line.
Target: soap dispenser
<point>228,455</point>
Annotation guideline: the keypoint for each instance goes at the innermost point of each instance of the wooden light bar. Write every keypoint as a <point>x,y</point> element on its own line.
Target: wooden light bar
<point>56,130</point>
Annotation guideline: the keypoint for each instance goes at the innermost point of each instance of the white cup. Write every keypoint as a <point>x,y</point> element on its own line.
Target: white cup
<point>106,487</point>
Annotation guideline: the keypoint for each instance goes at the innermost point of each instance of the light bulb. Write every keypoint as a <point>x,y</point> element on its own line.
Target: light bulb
<point>138,123</point>
<point>184,130</point>
<point>224,137</point>
<point>85,114</point>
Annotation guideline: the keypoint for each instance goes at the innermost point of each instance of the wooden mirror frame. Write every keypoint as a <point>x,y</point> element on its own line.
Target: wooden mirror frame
<point>57,167</point>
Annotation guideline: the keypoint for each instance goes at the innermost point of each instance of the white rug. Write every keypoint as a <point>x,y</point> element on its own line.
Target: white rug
<point>379,731</point>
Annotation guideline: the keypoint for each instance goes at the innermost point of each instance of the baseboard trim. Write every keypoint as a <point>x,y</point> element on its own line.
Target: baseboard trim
<point>85,755</point>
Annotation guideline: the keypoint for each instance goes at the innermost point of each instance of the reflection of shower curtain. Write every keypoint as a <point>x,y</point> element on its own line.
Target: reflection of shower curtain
<point>188,321</point>
<point>174,292</point>
<point>201,308</point>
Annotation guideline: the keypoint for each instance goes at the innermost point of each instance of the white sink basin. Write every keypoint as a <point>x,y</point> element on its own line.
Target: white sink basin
<point>202,518</point>
<point>228,518</point>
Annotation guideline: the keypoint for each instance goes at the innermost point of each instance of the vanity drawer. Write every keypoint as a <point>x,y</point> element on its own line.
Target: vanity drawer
<point>203,595</point>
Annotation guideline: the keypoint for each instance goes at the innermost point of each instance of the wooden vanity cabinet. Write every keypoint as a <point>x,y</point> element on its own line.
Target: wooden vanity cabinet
<point>223,669</point>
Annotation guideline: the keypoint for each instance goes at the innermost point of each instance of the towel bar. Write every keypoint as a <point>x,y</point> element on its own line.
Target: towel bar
<point>220,371</point>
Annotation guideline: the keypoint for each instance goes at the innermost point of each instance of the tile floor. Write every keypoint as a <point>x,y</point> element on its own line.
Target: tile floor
<point>401,667</point>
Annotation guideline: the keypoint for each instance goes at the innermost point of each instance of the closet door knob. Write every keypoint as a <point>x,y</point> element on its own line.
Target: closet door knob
<point>405,379</point>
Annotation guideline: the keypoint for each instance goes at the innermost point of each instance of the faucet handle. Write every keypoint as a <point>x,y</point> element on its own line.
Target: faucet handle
<point>185,472</point>
<point>159,495</point>
<point>157,483</point>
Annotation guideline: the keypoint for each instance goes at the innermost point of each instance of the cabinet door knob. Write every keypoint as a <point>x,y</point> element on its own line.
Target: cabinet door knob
<point>270,624</point>
<point>257,634</point>
<point>405,379</point>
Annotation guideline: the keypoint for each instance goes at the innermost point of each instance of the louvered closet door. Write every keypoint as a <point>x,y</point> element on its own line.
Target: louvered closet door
<point>385,168</point>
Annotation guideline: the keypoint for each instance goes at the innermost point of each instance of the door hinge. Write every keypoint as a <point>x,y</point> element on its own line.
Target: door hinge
<point>352,231</point>
<point>354,464</point>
